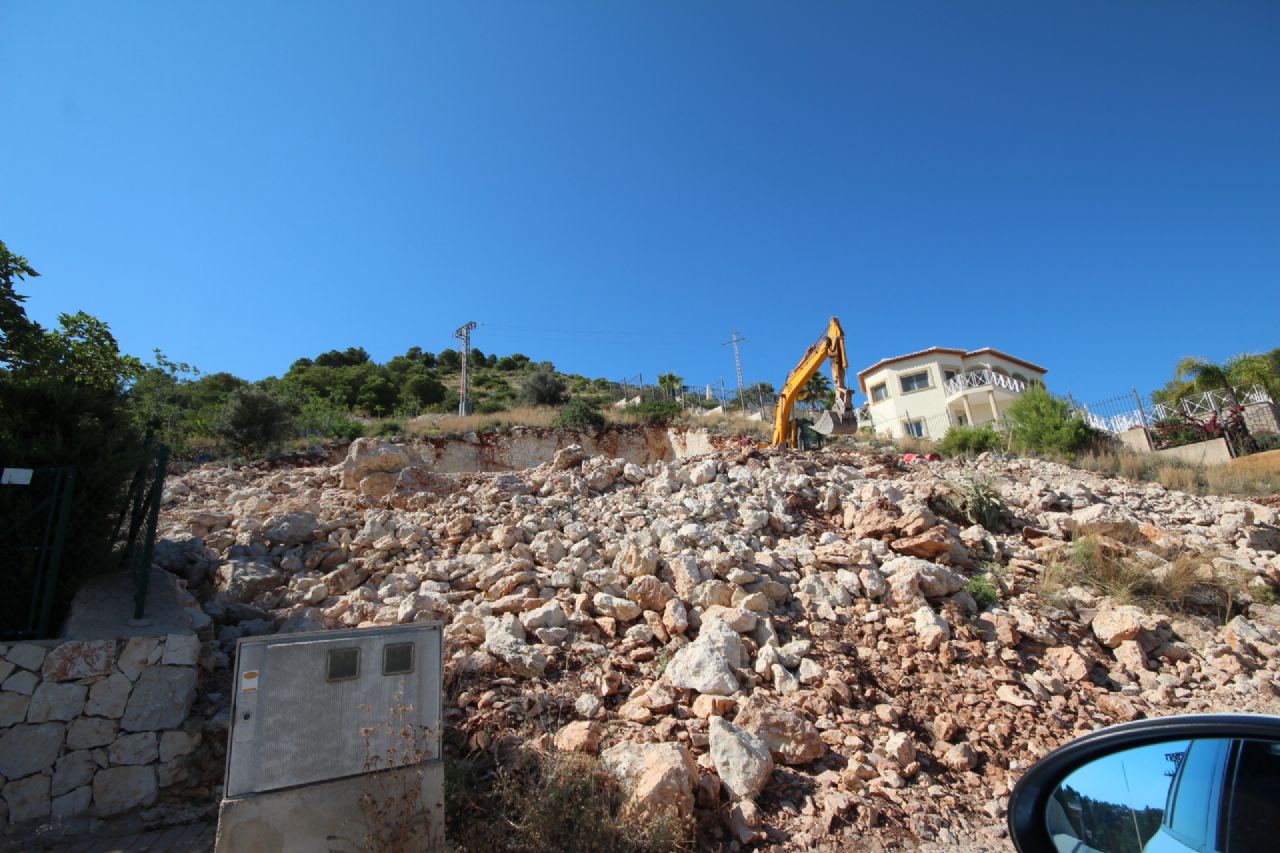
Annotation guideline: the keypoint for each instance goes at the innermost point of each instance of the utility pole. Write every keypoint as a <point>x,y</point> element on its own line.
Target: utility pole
<point>464,334</point>
<point>737,362</point>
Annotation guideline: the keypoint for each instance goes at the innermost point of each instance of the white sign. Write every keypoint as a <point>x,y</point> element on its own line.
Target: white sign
<point>16,477</point>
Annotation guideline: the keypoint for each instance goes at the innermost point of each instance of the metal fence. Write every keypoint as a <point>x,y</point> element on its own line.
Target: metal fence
<point>58,527</point>
<point>1169,422</point>
<point>1134,410</point>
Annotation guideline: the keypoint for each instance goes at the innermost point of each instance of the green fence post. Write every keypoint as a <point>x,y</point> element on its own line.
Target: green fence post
<point>67,492</point>
<point>142,570</point>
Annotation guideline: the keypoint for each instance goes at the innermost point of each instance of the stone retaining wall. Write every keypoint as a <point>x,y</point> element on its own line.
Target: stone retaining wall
<point>94,727</point>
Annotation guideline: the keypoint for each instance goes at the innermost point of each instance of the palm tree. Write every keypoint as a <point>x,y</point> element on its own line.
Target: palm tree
<point>671,383</point>
<point>1251,369</point>
<point>818,390</point>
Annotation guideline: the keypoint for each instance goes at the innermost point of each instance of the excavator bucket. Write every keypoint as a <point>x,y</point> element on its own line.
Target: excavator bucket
<point>835,423</point>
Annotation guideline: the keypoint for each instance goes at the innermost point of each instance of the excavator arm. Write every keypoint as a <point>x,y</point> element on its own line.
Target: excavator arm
<point>829,346</point>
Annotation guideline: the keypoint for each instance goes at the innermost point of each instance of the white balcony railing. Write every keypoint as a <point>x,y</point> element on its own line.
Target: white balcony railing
<point>982,379</point>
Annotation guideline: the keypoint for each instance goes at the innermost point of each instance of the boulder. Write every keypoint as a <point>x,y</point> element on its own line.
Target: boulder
<point>702,667</point>
<point>931,628</point>
<point>659,776</point>
<point>614,607</point>
<point>245,578</point>
<point>650,593</point>
<point>741,759</point>
<point>504,638</point>
<point>791,738</point>
<point>580,736</point>
<point>367,456</point>
<point>1112,626</point>
<point>294,528</point>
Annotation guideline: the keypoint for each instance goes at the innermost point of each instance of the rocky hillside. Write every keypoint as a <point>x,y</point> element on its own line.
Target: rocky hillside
<point>779,645</point>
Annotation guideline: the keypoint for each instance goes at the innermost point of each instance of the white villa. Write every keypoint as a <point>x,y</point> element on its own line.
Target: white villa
<point>924,393</point>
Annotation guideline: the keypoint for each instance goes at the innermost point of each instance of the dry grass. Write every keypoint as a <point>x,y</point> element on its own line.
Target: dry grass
<point>736,425</point>
<point>558,801</point>
<point>1186,581</point>
<point>911,444</point>
<point>1267,461</point>
<point>432,425</point>
<point>1240,477</point>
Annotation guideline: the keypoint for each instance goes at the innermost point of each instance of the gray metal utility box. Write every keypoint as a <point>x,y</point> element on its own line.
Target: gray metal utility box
<point>313,715</point>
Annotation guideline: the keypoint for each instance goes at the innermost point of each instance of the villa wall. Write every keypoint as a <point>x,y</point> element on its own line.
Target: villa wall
<point>94,727</point>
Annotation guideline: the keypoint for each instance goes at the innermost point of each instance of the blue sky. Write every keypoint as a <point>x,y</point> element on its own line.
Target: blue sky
<point>617,187</point>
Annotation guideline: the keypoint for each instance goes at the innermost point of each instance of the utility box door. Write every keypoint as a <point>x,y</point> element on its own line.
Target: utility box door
<point>327,705</point>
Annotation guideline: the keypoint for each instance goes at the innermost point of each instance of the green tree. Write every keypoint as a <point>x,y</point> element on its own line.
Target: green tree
<point>449,360</point>
<point>1041,423</point>
<point>254,421</point>
<point>543,388</point>
<point>83,350</point>
<point>351,357</point>
<point>420,389</point>
<point>377,396</point>
<point>21,339</point>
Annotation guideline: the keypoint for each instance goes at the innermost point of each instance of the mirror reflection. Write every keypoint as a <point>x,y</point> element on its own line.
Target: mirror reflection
<point>1191,795</point>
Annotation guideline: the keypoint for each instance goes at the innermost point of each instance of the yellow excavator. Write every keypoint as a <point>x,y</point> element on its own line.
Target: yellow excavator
<point>840,419</point>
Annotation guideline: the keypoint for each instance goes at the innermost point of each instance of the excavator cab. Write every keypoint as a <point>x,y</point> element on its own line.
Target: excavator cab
<point>840,419</point>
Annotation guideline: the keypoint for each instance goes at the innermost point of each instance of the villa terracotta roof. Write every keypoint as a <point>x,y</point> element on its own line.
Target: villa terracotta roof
<point>884,362</point>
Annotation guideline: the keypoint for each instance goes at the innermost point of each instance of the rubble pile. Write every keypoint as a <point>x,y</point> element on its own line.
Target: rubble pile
<point>778,644</point>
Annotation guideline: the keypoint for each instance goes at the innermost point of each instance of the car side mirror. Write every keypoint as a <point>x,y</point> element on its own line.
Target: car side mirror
<point>1204,783</point>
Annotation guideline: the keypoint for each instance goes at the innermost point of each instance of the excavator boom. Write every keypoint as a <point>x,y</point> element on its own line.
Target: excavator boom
<point>840,420</point>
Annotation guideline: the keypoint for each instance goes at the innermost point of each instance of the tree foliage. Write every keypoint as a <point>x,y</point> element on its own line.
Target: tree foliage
<point>544,388</point>
<point>1041,423</point>
<point>1196,375</point>
<point>670,383</point>
<point>254,421</point>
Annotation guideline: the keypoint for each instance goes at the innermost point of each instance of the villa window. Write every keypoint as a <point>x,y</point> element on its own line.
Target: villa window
<point>915,428</point>
<point>949,373</point>
<point>914,381</point>
<point>879,392</point>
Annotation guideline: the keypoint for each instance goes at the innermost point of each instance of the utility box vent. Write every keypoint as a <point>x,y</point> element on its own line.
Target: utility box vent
<point>328,705</point>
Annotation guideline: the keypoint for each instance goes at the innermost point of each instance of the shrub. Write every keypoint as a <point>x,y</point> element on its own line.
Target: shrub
<point>984,592</point>
<point>1041,423</point>
<point>543,388</point>
<point>579,414</point>
<point>254,421</point>
<point>1267,441</point>
<point>654,412</point>
<point>388,429</point>
<point>970,441</point>
<point>978,501</point>
<point>320,418</point>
